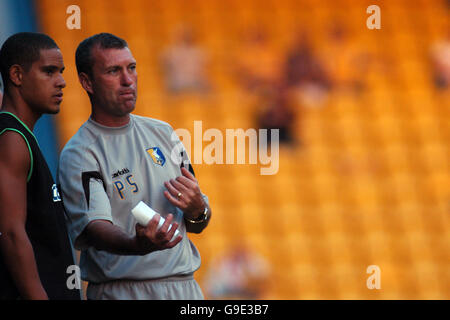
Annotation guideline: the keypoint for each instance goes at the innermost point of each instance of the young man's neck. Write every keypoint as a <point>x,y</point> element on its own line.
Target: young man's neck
<point>20,109</point>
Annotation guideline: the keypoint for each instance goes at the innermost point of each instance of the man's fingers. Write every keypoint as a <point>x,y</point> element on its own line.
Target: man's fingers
<point>167,231</point>
<point>174,242</point>
<point>187,174</point>
<point>178,191</point>
<point>166,224</point>
<point>184,183</point>
<point>172,230</point>
<point>152,225</point>
<point>154,237</point>
<point>172,189</point>
<point>177,203</point>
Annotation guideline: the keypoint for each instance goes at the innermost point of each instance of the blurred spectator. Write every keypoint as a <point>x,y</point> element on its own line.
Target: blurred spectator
<point>184,65</point>
<point>345,60</point>
<point>239,274</point>
<point>304,74</point>
<point>440,58</point>
<point>277,113</point>
<point>260,71</point>
<point>258,65</point>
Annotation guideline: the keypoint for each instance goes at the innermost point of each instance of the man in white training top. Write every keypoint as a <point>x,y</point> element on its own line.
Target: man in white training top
<point>114,161</point>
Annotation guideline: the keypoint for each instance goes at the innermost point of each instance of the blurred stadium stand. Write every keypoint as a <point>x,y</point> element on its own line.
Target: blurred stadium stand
<point>370,182</point>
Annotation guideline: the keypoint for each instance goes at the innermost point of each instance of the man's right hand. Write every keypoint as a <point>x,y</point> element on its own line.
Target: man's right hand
<point>150,238</point>
<point>104,235</point>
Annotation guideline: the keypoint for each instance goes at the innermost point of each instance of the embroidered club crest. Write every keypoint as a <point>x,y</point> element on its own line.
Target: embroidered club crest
<point>156,155</point>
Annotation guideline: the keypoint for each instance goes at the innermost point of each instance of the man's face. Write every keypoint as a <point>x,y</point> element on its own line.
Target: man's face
<point>114,81</point>
<point>42,85</point>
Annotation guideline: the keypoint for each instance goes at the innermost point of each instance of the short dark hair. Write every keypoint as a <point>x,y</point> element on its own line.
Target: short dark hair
<point>83,55</point>
<point>23,49</point>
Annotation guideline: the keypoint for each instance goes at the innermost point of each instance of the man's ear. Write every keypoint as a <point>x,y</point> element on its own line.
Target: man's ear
<point>86,82</point>
<point>16,73</point>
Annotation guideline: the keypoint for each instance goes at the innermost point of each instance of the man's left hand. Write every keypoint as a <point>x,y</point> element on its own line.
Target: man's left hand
<point>184,193</point>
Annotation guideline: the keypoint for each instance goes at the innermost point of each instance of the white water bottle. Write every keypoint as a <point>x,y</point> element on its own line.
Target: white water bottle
<point>143,214</point>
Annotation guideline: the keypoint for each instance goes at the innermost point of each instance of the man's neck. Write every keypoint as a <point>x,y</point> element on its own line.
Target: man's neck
<point>110,120</point>
<point>20,109</point>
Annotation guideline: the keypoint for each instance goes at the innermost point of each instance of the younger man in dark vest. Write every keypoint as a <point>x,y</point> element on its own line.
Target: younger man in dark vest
<point>35,250</point>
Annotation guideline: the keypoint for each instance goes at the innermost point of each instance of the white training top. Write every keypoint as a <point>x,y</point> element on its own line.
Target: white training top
<point>104,172</point>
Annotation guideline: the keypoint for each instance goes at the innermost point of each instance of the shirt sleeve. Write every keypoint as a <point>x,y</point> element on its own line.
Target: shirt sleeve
<point>83,192</point>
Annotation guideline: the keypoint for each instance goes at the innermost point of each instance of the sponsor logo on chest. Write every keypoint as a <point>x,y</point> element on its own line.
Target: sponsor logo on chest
<point>120,172</point>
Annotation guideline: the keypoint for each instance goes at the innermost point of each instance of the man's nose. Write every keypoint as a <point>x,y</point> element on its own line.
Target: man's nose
<point>126,78</point>
<point>61,82</point>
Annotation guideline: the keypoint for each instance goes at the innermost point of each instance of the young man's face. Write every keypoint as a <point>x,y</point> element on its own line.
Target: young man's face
<point>42,85</point>
<point>114,81</point>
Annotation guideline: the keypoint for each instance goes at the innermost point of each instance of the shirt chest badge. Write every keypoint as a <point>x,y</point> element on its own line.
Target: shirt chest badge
<point>156,155</point>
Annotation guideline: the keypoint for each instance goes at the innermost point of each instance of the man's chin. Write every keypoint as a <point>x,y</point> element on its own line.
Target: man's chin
<point>129,106</point>
<point>53,109</point>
